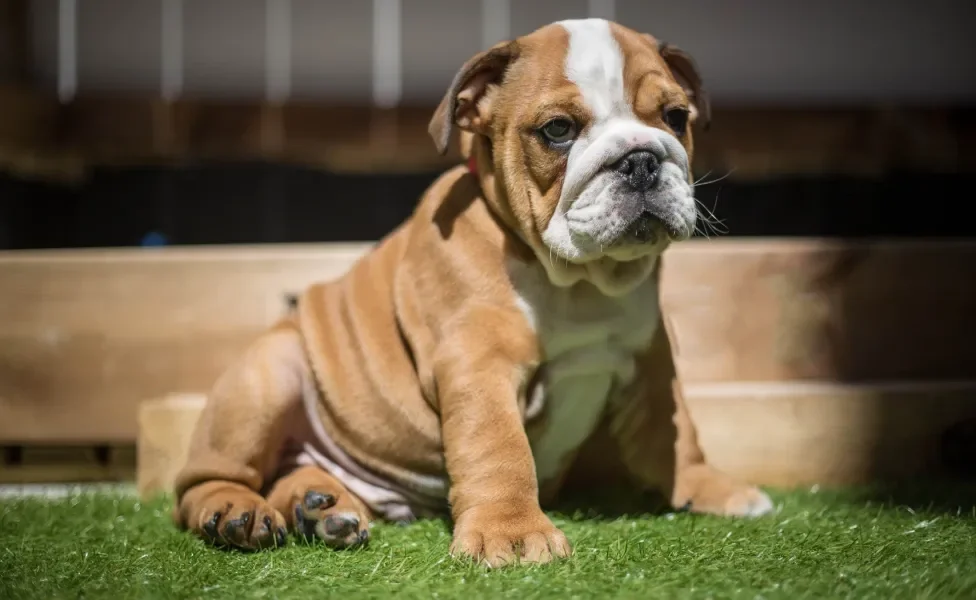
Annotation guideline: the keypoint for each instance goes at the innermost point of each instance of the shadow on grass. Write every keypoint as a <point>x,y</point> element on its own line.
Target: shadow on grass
<point>931,495</point>
<point>609,504</point>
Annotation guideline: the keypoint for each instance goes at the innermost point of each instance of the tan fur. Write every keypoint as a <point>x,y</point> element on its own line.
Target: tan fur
<point>418,361</point>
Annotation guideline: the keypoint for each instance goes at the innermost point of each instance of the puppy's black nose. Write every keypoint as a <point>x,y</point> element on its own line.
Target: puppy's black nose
<point>641,168</point>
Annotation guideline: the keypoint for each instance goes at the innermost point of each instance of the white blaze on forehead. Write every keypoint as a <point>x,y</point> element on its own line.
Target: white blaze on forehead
<point>595,63</point>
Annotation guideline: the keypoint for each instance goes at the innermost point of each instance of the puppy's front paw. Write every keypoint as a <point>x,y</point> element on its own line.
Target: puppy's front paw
<point>232,516</point>
<point>502,534</point>
<point>319,514</point>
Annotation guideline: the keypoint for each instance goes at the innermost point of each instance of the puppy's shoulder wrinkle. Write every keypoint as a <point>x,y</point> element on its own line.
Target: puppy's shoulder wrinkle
<point>453,194</point>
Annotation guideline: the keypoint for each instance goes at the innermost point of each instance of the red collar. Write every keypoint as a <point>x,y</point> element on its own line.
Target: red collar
<point>473,165</point>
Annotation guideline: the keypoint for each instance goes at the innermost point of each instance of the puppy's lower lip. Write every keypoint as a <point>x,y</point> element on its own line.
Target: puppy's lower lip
<point>677,232</point>
<point>673,228</point>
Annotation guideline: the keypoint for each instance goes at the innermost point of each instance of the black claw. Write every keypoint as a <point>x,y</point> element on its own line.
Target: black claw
<point>315,500</point>
<point>304,527</point>
<point>685,508</point>
<point>280,536</point>
<point>364,536</point>
<point>210,528</point>
<point>238,528</point>
<point>267,523</point>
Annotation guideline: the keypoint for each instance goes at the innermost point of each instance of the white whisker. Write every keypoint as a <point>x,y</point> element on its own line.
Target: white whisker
<point>709,220</point>
<point>700,182</point>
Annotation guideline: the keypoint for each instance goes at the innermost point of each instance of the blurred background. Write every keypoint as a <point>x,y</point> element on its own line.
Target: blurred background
<point>250,121</point>
<point>842,150</point>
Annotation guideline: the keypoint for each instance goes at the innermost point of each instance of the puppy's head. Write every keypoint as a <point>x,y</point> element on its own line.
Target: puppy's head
<point>586,127</point>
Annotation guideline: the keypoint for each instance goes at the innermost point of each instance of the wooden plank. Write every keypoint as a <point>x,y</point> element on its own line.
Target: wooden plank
<point>121,130</point>
<point>792,433</point>
<point>743,143</point>
<point>87,334</point>
<point>835,310</point>
<point>783,434</point>
<point>756,143</point>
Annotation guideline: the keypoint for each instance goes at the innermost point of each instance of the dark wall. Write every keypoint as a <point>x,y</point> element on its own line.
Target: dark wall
<point>761,51</point>
<point>255,203</point>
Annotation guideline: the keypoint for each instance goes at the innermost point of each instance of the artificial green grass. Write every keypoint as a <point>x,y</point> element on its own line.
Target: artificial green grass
<point>819,545</point>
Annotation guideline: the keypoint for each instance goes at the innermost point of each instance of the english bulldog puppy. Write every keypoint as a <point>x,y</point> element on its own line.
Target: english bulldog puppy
<point>460,365</point>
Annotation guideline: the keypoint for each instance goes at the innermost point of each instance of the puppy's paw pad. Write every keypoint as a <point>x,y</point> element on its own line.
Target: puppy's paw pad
<point>347,529</point>
<point>319,516</point>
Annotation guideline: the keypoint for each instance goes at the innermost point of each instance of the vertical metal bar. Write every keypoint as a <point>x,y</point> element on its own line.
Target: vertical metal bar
<point>602,9</point>
<point>387,75</point>
<point>496,22</point>
<point>277,56</point>
<point>171,65</point>
<point>67,49</point>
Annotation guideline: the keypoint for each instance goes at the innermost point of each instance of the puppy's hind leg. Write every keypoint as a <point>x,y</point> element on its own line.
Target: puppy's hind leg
<point>659,445</point>
<point>237,442</point>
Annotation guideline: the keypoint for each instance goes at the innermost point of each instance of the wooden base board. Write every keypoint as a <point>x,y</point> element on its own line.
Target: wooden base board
<point>785,434</point>
<point>67,464</point>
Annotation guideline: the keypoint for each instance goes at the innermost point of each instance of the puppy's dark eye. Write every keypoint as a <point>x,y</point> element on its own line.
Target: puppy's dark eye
<point>559,131</point>
<point>677,120</point>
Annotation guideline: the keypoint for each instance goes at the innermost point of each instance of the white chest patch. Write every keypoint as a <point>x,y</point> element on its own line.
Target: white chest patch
<point>589,342</point>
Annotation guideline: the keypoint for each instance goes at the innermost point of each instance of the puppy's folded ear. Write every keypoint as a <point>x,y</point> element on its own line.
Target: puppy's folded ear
<point>686,73</point>
<point>468,101</point>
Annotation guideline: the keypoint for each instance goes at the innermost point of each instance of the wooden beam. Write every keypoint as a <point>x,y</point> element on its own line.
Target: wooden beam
<point>795,433</point>
<point>744,143</point>
<point>85,335</point>
<point>784,434</point>
<point>792,434</point>
<point>125,130</point>
<point>828,310</point>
